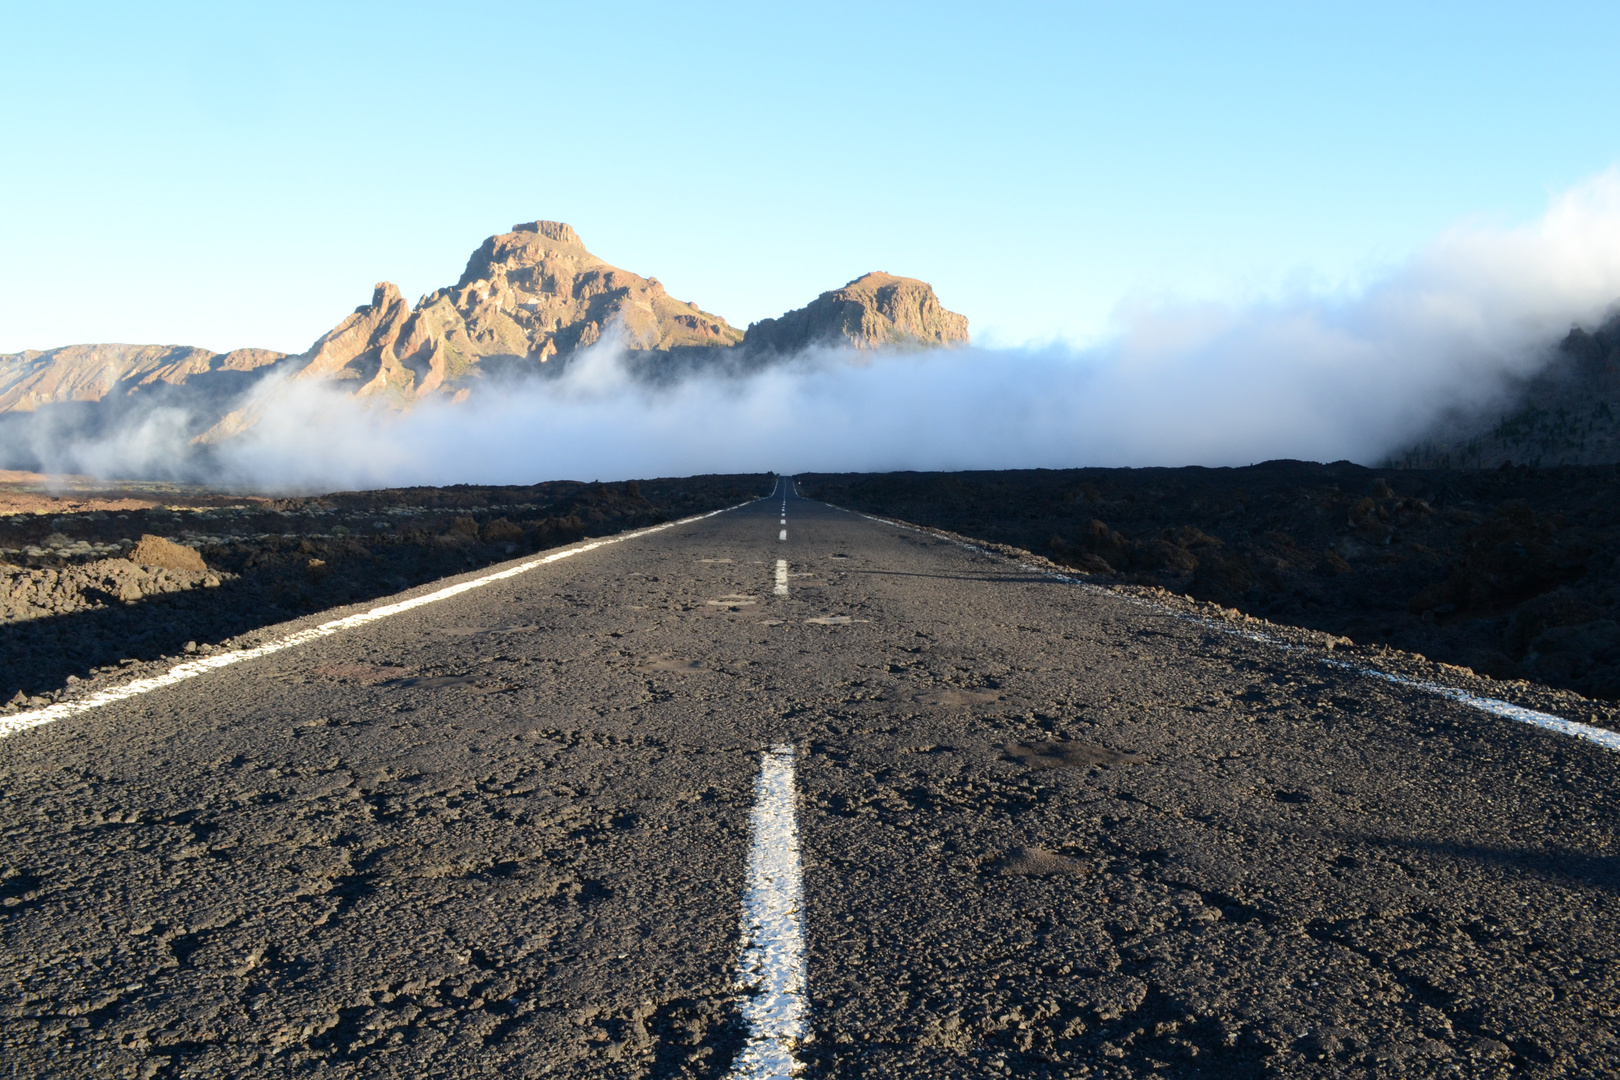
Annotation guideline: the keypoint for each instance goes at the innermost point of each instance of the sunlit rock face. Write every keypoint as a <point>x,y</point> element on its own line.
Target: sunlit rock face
<point>530,295</point>
<point>873,311</point>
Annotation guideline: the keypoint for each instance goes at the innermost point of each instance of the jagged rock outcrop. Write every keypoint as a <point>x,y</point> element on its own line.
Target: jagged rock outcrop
<point>532,294</point>
<point>873,311</point>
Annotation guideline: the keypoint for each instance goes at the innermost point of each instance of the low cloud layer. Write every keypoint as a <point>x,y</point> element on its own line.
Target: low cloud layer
<point>1308,376</point>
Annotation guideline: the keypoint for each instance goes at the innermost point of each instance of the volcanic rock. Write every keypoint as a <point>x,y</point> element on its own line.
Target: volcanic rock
<point>38,592</point>
<point>874,310</point>
<point>155,551</point>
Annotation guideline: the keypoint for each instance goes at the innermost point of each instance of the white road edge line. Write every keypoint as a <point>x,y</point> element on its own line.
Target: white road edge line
<point>1506,710</point>
<point>771,972</point>
<point>11,725</point>
<point>781,577</point>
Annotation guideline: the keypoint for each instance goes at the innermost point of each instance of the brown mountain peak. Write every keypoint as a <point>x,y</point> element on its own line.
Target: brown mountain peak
<point>384,294</point>
<point>526,296</point>
<point>874,310</point>
<point>560,231</point>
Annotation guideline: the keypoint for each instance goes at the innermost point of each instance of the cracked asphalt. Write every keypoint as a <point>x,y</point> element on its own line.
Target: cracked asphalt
<point>1045,833</point>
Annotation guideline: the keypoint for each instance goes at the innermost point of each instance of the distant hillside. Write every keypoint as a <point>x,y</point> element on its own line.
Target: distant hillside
<point>87,373</point>
<point>1568,414</point>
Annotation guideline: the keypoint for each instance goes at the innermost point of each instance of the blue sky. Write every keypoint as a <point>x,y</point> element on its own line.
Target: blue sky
<point>232,175</point>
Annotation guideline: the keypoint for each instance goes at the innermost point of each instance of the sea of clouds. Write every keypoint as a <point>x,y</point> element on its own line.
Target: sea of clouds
<point>1312,376</point>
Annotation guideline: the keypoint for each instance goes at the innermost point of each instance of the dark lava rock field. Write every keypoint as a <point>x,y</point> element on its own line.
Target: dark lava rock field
<point>1513,572</point>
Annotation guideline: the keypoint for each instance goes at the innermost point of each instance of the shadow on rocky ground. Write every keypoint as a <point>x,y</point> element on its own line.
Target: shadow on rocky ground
<point>1513,572</point>
<point>82,596</point>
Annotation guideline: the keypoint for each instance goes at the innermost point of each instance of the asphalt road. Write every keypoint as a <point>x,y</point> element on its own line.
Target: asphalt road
<point>1043,832</point>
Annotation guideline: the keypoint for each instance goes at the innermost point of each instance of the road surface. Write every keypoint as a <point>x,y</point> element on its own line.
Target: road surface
<point>786,789</point>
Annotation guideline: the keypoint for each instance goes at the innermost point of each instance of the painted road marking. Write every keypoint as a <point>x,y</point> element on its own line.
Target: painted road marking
<point>10,725</point>
<point>781,577</point>
<point>782,535</point>
<point>1495,706</point>
<point>771,971</point>
<point>1506,710</point>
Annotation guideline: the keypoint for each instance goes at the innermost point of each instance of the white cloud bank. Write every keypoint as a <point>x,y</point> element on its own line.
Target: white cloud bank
<point>1310,376</point>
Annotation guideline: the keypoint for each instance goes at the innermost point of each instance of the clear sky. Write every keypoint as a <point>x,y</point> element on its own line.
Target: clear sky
<point>230,175</point>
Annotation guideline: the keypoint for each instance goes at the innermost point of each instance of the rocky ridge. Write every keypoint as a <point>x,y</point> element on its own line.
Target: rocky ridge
<point>151,566</point>
<point>528,298</point>
<point>90,373</point>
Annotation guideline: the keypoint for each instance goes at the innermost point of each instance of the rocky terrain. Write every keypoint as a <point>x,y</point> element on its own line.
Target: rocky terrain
<point>152,566</point>
<point>84,594</point>
<point>67,493</point>
<point>1512,572</point>
<point>1566,414</point>
<point>528,300</point>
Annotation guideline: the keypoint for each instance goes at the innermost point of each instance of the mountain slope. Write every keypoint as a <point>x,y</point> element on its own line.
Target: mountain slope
<point>32,379</point>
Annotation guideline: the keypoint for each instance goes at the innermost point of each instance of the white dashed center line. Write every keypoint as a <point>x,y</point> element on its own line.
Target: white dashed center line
<point>782,535</point>
<point>771,971</point>
<point>781,577</point>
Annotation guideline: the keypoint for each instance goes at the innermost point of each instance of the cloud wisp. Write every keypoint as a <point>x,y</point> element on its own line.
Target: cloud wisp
<point>1308,376</point>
